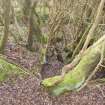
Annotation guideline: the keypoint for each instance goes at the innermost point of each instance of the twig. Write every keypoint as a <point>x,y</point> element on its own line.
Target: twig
<point>101,91</point>
<point>102,65</point>
<point>96,22</point>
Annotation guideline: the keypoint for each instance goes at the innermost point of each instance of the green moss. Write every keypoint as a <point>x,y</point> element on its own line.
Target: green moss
<point>7,69</point>
<point>50,81</point>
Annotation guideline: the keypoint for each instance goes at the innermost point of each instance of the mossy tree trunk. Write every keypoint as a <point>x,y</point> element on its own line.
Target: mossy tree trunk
<point>75,78</point>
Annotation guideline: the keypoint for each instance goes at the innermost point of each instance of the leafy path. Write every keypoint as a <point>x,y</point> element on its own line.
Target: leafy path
<point>27,91</point>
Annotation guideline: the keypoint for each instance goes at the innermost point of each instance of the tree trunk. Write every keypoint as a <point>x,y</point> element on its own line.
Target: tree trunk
<point>26,9</point>
<point>6,5</point>
<point>75,78</point>
<point>34,29</point>
<point>31,31</point>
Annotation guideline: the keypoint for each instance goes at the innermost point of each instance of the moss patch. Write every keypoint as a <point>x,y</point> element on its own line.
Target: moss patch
<point>7,69</point>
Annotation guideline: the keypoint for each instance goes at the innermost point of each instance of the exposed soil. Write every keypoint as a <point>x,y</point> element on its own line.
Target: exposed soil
<point>28,91</point>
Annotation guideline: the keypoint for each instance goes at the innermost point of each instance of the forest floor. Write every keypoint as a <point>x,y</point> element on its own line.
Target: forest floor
<point>28,91</point>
